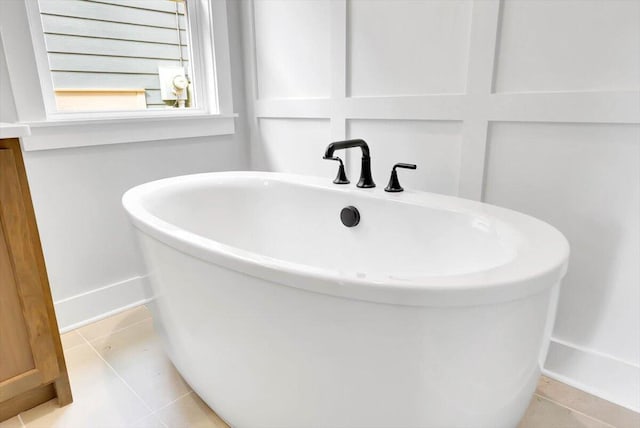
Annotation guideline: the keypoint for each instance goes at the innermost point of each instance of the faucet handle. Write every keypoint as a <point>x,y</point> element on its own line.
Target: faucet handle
<point>341,178</point>
<point>394,183</point>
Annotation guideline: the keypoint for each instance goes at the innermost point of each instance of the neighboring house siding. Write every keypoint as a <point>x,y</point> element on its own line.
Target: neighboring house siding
<point>115,44</point>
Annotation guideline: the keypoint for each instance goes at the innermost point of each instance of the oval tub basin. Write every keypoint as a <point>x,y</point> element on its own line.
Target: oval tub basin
<point>433,311</point>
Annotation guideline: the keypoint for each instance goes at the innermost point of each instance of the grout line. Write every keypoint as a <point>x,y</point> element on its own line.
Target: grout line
<point>174,401</point>
<point>557,403</point>
<point>113,331</point>
<point>155,412</point>
<point>22,424</point>
<point>144,403</point>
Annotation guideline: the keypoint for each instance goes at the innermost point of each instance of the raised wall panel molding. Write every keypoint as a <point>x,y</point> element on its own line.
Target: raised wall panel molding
<point>472,163</point>
<point>293,51</point>
<point>476,107</point>
<point>507,92</point>
<point>584,179</point>
<point>431,144</point>
<point>549,46</point>
<point>291,108</point>
<point>250,81</point>
<point>338,49</point>
<point>424,107</point>
<point>587,107</point>
<point>549,96</point>
<point>568,107</point>
<point>407,47</point>
<point>338,123</point>
<point>484,32</point>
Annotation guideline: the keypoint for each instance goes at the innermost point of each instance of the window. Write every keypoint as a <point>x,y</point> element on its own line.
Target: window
<point>118,54</point>
<point>28,43</point>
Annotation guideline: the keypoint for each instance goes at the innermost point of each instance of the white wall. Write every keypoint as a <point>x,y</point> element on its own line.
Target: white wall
<point>531,105</point>
<point>92,258</point>
<point>87,241</point>
<point>7,107</point>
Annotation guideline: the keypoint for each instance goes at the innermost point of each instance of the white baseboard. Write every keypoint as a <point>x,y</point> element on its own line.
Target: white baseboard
<point>76,311</point>
<point>596,373</point>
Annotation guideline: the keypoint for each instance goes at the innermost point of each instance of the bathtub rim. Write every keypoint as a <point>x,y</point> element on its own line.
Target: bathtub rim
<point>501,283</point>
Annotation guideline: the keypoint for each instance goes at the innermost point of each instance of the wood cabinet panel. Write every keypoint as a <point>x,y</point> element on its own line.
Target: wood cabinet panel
<point>32,302</point>
<point>16,338</point>
<point>31,359</point>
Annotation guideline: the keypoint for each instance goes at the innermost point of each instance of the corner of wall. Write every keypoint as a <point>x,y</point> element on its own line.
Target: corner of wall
<point>7,103</point>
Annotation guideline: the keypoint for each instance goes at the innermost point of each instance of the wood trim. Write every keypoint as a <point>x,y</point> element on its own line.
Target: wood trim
<point>62,386</point>
<point>20,239</point>
<point>15,338</point>
<point>63,390</point>
<point>51,371</point>
<point>18,384</point>
<point>26,401</point>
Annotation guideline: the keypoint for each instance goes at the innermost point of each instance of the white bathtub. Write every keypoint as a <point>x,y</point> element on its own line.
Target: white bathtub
<point>434,311</point>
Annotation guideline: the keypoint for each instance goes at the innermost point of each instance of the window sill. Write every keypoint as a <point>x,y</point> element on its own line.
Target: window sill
<point>13,130</point>
<point>60,133</point>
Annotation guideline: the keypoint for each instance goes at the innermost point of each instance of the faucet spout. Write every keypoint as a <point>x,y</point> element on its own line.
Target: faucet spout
<point>366,180</point>
<point>346,144</point>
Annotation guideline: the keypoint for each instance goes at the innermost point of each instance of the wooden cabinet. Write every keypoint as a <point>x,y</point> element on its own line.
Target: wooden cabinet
<point>32,367</point>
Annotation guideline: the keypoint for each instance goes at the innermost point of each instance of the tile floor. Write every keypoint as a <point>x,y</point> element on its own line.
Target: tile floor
<point>120,377</point>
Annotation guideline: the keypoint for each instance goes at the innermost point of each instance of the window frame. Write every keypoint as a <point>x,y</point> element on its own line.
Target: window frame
<point>213,114</point>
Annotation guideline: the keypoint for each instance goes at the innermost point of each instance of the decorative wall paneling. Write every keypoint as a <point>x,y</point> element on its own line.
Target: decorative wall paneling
<point>475,107</point>
<point>553,72</point>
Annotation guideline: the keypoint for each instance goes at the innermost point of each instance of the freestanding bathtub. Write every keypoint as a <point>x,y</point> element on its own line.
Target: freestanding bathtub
<point>433,311</point>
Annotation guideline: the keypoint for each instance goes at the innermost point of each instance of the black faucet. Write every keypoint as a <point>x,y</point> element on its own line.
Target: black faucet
<point>366,180</point>
<point>341,178</point>
<point>394,183</point>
